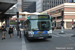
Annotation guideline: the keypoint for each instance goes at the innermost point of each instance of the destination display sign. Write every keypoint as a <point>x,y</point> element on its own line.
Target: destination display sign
<point>39,17</point>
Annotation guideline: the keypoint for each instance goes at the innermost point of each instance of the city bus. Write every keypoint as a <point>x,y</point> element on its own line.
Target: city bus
<point>38,27</point>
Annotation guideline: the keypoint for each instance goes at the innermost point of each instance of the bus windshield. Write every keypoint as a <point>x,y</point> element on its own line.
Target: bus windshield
<point>40,25</point>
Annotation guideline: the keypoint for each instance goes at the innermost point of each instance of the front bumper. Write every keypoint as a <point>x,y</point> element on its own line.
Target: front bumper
<point>38,36</point>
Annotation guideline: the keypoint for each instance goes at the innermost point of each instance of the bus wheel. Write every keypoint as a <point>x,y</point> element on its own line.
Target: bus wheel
<point>30,39</point>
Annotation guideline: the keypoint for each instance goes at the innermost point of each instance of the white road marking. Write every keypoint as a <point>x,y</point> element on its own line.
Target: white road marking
<point>65,35</point>
<point>55,35</point>
<point>71,39</point>
<point>23,43</point>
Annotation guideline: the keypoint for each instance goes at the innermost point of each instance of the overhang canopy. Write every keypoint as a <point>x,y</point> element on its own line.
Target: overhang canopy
<point>11,11</point>
<point>27,13</point>
<point>6,4</point>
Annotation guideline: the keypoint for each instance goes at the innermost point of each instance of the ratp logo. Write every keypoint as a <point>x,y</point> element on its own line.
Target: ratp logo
<point>40,32</point>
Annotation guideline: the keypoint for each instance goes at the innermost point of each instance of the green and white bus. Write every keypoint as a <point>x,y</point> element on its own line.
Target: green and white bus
<point>38,27</point>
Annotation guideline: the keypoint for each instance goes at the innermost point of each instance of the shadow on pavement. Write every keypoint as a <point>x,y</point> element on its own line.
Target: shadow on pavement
<point>37,40</point>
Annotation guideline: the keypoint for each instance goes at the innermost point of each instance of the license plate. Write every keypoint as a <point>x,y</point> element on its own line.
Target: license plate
<point>41,37</point>
<point>40,34</point>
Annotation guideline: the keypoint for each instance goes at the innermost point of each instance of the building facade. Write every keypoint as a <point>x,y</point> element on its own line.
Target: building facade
<point>28,6</point>
<point>4,11</point>
<point>29,0</point>
<point>68,16</point>
<point>19,5</point>
<point>47,4</point>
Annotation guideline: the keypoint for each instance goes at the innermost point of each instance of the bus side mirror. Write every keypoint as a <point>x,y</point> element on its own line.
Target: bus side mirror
<point>27,21</point>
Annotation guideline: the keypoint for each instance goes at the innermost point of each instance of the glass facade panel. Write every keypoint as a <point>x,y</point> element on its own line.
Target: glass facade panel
<point>52,3</point>
<point>29,6</point>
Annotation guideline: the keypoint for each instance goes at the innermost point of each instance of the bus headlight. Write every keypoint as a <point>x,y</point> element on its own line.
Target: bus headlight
<point>30,32</point>
<point>50,32</point>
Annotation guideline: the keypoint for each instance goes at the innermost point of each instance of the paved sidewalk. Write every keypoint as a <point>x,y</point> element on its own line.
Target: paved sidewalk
<point>13,43</point>
<point>67,32</point>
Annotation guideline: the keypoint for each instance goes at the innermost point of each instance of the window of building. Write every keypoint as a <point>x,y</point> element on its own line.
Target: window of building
<point>70,1</point>
<point>52,12</point>
<point>53,18</point>
<point>59,17</point>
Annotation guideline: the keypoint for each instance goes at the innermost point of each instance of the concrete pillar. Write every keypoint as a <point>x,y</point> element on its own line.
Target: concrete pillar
<point>56,21</point>
<point>8,23</point>
<point>72,21</point>
<point>0,23</point>
<point>26,17</point>
<point>65,25</point>
<point>55,18</point>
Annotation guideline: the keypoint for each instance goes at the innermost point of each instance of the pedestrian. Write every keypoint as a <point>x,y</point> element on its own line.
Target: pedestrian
<point>11,31</point>
<point>3,32</point>
<point>72,27</point>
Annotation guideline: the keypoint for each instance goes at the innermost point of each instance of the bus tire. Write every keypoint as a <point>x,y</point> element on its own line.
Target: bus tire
<point>50,36</point>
